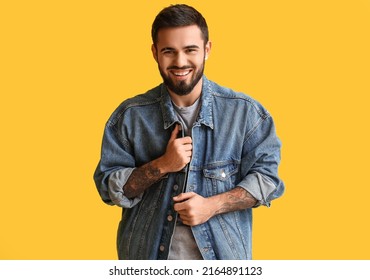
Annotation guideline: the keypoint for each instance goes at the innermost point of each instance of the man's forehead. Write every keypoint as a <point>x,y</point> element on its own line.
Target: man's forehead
<point>183,36</point>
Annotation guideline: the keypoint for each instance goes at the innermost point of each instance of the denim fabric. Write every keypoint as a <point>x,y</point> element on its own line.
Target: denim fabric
<point>234,144</point>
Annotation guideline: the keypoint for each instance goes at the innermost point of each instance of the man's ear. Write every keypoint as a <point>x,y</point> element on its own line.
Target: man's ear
<point>207,49</point>
<point>154,52</point>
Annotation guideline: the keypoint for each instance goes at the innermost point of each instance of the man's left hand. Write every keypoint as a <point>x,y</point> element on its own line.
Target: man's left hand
<point>193,208</point>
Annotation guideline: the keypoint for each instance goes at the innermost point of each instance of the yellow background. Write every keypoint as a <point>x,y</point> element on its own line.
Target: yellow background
<point>66,65</point>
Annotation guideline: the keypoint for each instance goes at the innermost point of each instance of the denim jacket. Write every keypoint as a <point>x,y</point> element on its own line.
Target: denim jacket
<point>234,144</point>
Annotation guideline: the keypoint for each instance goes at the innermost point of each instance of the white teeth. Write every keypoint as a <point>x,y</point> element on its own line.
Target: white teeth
<point>181,73</point>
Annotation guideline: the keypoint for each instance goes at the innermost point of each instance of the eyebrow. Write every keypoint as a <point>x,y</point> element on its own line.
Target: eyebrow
<point>167,49</point>
<point>192,47</point>
<point>187,47</point>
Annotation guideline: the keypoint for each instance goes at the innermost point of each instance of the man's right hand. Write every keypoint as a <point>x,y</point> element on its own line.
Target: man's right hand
<point>178,152</point>
<point>177,156</point>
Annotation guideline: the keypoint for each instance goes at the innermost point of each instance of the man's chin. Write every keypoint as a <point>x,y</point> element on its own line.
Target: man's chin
<point>181,91</point>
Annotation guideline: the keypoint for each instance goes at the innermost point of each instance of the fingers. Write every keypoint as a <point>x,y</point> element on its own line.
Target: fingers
<point>185,140</point>
<point>183,196</point>
<point>178,151</point>
<point>183,201</point>
<point>183,151</point>
<point>191,208</point>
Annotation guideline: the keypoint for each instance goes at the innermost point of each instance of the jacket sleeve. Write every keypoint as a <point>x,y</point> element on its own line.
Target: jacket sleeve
<point>114,168</point>
<point>261,158</point>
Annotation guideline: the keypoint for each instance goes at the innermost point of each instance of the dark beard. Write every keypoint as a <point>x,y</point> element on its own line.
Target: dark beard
<point>182,88</point>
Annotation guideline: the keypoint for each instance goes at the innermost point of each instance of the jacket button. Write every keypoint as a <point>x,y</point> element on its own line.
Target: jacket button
<point>175,187</point>
<point>223,175</point>
<point>161,248</point>
<point>169,218</point>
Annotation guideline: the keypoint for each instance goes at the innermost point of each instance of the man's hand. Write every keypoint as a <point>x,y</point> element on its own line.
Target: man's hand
<point>178,152</point>
<point>195,209</point>
<point>177,156</point>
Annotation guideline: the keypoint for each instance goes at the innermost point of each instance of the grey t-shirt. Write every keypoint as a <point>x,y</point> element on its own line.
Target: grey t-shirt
<point>187,115</point>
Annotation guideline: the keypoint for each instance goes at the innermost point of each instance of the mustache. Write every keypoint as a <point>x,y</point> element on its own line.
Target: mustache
<point>179,68</point>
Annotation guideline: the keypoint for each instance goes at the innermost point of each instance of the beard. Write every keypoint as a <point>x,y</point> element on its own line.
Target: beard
<point>182,88</point>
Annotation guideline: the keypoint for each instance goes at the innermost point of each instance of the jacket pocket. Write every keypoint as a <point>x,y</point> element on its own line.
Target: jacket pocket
<point>220,177</point>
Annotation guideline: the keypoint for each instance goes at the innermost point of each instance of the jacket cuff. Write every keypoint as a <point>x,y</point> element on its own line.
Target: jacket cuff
<point>116,182</point>
<point>260,187</point>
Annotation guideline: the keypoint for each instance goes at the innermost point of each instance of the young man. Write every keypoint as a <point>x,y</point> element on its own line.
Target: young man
<point>189,159</point>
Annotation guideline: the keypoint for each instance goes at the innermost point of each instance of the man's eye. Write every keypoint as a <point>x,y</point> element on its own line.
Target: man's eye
<point>167,52</point>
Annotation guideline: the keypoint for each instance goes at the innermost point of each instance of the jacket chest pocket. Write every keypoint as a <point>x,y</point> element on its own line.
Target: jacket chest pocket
<point>221,178</point>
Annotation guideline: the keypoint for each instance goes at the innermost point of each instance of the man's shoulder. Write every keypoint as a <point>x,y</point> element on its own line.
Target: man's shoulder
<point>151,97</point>
<point>226,94</point>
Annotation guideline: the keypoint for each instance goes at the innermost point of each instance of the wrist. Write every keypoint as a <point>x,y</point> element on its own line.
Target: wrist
<point>161,165</point>
<point>215,204</point>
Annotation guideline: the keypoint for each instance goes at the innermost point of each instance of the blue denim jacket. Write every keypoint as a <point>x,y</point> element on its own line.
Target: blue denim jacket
<point>234,144</point>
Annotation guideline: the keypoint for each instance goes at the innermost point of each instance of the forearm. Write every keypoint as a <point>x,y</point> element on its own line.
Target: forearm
<point>233,200</point>
<point>143,177</point>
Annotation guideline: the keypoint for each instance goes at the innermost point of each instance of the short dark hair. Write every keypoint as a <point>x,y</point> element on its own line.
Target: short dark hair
<point>176,16</point>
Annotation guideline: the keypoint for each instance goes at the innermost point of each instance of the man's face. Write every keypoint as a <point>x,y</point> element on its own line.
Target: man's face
<point>180,53</point>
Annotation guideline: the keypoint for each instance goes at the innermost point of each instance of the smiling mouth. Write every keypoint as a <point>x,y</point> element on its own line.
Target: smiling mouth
<point>181,73</point>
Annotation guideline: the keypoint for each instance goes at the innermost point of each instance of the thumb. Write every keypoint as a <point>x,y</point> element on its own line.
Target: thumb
<point>175,132</point>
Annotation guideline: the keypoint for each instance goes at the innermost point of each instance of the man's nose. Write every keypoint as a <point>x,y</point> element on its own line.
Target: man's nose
<point>180,59</point>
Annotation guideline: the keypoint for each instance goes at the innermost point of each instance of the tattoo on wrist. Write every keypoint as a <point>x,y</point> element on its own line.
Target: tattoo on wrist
<point>237,199</point>
<point>141,179</point>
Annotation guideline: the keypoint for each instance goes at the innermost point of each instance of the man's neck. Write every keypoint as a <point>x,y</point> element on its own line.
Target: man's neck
<point>189,99</point>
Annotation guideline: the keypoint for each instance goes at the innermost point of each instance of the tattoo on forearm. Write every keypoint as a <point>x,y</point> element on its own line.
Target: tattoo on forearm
<point>141,179</point>
<point>237,199</point>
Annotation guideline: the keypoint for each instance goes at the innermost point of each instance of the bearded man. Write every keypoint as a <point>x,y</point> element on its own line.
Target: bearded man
<point>188,160</point>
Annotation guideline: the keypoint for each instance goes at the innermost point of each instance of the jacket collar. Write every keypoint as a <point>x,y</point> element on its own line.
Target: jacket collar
<point>205,114</point>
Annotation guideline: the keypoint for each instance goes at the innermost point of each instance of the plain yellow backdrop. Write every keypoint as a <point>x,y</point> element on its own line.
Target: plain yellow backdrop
<point>66,65</point>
